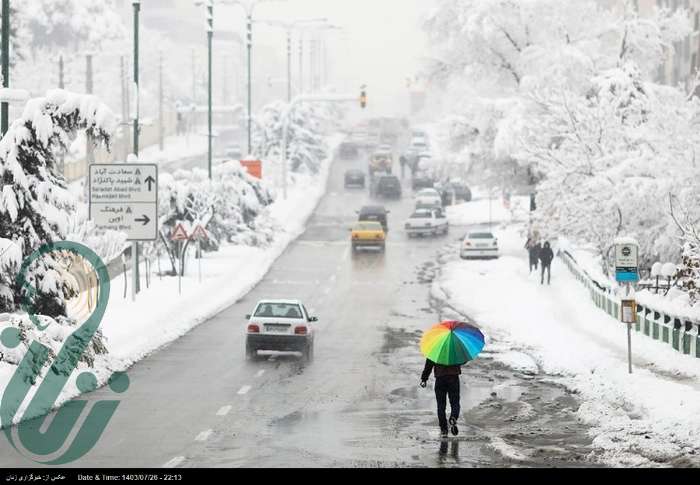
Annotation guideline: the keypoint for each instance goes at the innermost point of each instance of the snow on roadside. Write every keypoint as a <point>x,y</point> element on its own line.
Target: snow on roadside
<point>136,329</point>
<point>477,211</point>
<point>643,419</point>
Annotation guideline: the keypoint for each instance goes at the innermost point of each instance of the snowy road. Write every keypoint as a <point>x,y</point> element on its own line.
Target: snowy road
<point>199,403</point>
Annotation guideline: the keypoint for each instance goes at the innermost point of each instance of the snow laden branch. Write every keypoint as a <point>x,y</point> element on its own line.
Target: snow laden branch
<point>35,205</point>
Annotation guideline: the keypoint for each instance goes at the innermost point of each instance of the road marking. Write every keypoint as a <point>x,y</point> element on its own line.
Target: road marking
<point>223,411</point>
<point>204,435</point>
<point>260,373</point>
<point>244,390</point>
<point>174,462</point>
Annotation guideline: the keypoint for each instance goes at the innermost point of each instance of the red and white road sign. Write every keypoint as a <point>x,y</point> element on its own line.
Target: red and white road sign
<point>179,234</point>
<point>199,233</point>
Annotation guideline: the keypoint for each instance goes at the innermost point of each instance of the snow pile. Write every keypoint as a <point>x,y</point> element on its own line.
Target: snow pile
<point>642,419</point>
<point>477,211</point>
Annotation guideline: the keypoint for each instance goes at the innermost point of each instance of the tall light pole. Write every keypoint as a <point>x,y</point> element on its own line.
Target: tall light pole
<point>249,7</point>
<point>210,38</point>
<point>290,27</point>
<point>136,283</point>
<point>5,110</point>
<point>314,58</point>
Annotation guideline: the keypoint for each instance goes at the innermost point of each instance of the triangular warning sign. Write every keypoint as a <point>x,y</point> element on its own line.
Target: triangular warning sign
<point>200,233</point>
<point>179,234</point>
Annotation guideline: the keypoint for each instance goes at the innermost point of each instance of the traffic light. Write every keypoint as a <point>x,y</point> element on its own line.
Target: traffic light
<point>363,99</point>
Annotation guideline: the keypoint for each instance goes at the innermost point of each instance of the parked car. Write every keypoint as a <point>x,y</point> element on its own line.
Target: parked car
<point>479,245</point>
<point>461,191</point>
<point>368,234</point>
<point>355,178</point>
<point>374,213</point>
<point>280,325</point>
<point>387,186</point>
<point>427,222</point>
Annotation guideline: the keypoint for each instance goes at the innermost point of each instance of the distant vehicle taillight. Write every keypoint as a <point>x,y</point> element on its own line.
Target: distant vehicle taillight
<point>467,244</point>
<point>301,330</point>
<point>252,328</point>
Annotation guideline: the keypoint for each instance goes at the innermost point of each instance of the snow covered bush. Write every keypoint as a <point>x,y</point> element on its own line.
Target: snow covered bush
<point>35,205</point>
<point>230,206</point>
<point>307,147</point>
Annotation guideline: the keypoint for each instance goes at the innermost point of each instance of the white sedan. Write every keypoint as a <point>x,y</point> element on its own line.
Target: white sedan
<point>479,245</point>
<point>427,222</point>
<point>428,197</point>
<point>282,326</point>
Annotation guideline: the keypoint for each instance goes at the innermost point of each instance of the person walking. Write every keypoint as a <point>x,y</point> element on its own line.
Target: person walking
<point>403,161</point>
<point>533,248</point>
<point>546,256</point>
<point>446,386</point>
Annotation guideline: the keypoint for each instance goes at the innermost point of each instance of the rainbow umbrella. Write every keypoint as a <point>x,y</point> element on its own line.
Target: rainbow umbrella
<point>452,343</point>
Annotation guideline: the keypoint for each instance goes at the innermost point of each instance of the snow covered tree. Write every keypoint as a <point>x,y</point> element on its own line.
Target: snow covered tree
<point>35,205</point>
<point>307,147</point>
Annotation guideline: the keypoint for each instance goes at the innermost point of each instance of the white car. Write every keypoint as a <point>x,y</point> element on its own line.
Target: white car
<point>428,197</point>
<point>427,222</point>
<point>479,245</point>
<point>282,326</point>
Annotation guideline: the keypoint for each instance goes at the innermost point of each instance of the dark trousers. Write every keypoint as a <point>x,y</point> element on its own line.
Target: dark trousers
<point>447,386</point>
<point>533,264</point>
<point>548,268</point>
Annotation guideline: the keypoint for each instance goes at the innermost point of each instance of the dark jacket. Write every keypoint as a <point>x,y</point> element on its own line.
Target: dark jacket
<point>535,250</point>
<point>440,370</point>
<point>546,255</point>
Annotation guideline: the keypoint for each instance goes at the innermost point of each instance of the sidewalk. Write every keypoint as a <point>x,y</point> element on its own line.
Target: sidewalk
<point>642,419</point>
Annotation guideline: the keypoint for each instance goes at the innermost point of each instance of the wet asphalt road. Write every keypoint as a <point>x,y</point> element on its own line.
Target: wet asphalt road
<point>198,403</point>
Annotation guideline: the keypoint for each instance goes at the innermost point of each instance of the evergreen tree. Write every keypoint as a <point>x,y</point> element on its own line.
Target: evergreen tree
<point>35,205</point>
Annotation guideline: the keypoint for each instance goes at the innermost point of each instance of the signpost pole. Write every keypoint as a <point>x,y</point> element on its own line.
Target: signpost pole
<point>199,255</point>
<point>179,269</point>
<point>629,335</point>
<point>133,271</point>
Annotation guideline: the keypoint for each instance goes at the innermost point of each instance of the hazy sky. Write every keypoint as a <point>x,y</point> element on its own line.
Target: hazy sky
<point>381,43</point>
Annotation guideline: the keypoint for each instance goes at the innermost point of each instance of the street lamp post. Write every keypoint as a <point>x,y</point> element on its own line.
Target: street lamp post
<point>249,7</point>
<point>210,40</point>
<point>5,114</point>
<point>289,27</point>
<point>136,280</point>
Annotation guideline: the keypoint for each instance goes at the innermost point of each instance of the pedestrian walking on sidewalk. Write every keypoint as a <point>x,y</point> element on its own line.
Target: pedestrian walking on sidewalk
<point>446,386</point>
<point>546,257</point>
<point>533,248</point>
<point>403,162</point>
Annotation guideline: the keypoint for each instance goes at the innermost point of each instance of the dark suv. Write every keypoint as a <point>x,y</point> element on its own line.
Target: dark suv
<point>375,213</point>
<point>387,186</point>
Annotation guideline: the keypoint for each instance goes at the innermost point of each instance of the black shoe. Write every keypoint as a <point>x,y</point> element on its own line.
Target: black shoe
<point>443,433</point>
<point>453,426</point>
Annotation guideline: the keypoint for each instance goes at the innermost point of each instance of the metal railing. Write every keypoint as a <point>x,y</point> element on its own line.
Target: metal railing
<point>682,334</point>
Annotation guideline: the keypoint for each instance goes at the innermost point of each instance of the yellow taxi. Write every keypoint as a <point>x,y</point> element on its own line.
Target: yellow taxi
<point>368,234</point>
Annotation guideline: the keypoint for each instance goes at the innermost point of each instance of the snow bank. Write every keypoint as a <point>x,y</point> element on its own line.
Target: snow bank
<point>477,211</point>
<point>639,419</point>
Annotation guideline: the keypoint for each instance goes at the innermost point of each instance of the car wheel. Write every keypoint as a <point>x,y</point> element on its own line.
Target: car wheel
<point>308,353</point>
<point>250,352</point>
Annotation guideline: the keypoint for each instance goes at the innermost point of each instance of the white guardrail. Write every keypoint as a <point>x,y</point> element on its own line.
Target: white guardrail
<point>681,334</point>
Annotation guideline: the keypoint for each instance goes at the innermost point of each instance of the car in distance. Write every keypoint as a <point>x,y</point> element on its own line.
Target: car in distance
<point>460,190</point>
<point>368,234</point>
<point>388,186</point>
<point>348,151</point>
<point>233,152</point>
<point>429,196</point>
<point>381,161</point>
<point>282,326</point>
<point>374,213</point>
<point>421,180</point>
<point>483,245</point>
<point>355,178</point>
<point>425,222</point>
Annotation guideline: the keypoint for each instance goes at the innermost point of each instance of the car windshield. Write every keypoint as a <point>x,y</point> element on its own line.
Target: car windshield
<point>368,226</point>
<point>278,310</point>
<point>421,215</point>
<point>481,235</point>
